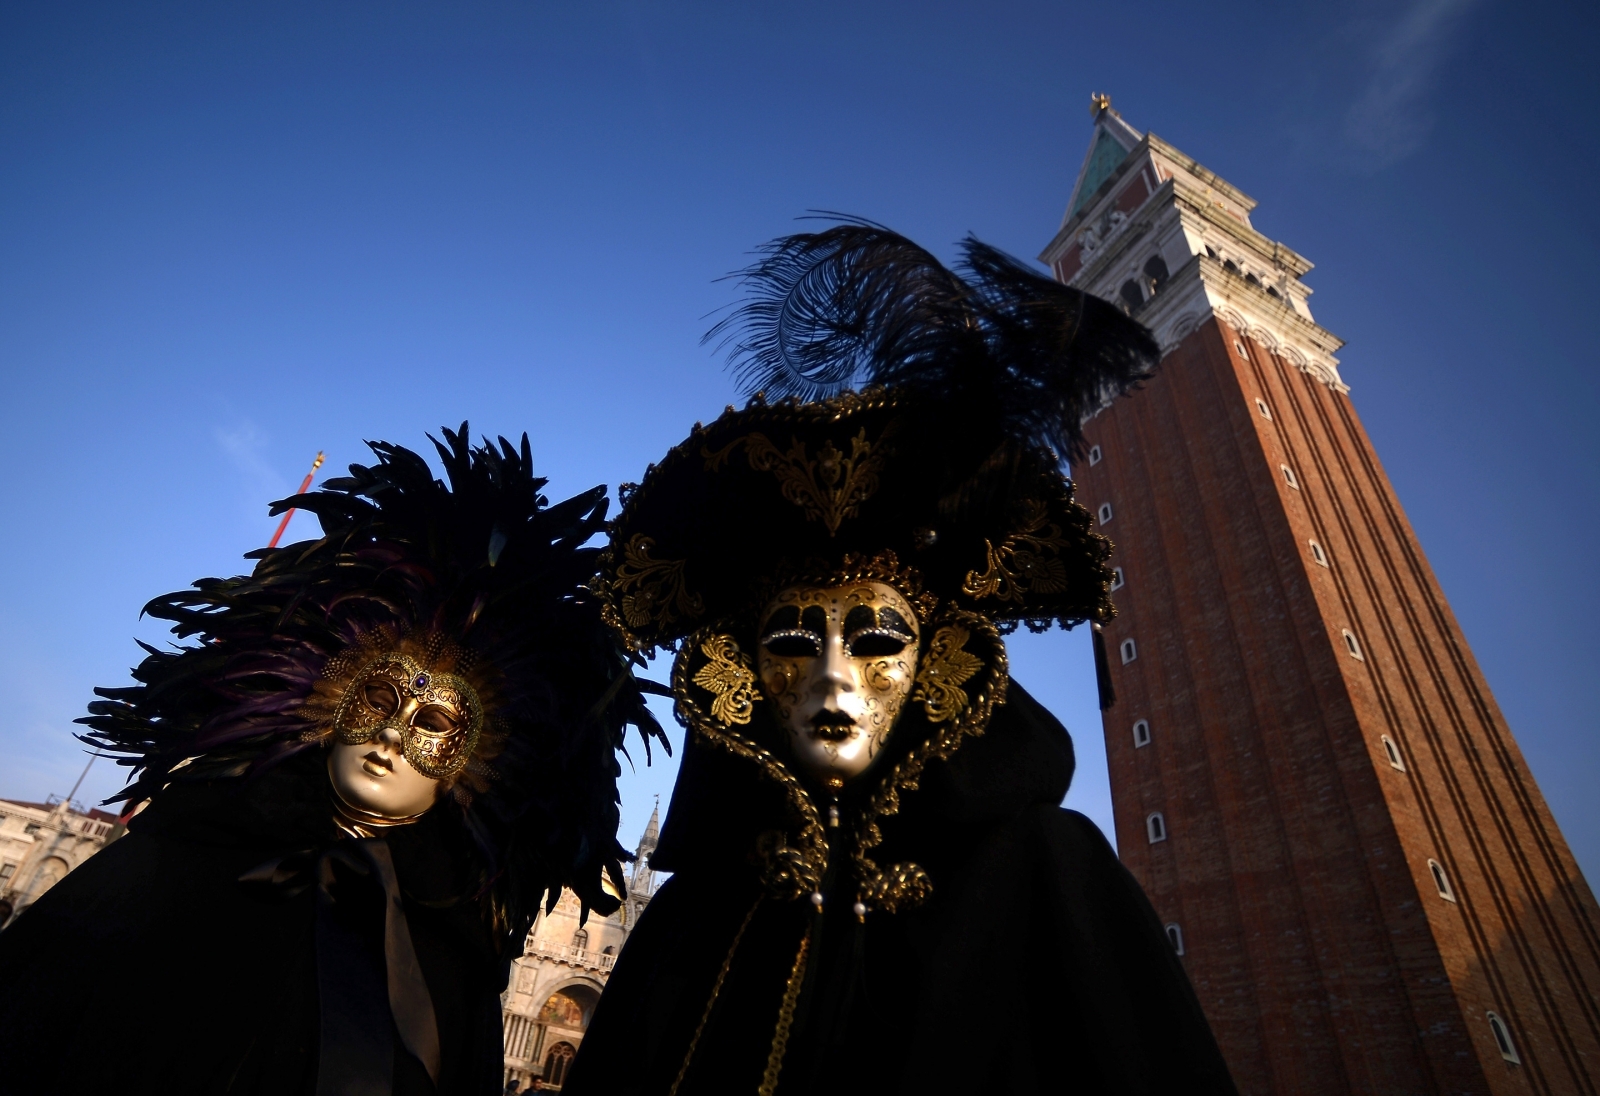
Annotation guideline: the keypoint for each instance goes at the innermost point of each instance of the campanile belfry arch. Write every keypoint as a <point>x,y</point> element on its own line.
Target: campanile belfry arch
<point>1310,775</point>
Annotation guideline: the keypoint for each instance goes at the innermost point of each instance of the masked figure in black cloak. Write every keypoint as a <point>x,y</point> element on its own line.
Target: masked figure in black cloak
<point>386,749</point>
<point>875,889</point>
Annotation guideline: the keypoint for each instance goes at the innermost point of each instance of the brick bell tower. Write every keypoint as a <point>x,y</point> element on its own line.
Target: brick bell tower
<point>1311,778</point>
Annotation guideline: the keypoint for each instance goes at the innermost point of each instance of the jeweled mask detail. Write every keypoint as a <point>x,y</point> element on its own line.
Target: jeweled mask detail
<point>438,715</point>
<point>837,663</point>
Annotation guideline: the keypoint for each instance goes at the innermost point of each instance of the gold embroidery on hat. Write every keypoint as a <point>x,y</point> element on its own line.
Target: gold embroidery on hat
<point>830,487</point>
<point>658,595</point>
<point>1027,562</point>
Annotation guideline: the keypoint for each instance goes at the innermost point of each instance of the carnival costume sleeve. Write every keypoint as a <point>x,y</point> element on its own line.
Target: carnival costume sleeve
<point>273,922</point>
<point>874,887</point>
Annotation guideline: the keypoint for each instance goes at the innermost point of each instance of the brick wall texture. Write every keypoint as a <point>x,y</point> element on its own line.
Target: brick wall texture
<point>1297,856</point>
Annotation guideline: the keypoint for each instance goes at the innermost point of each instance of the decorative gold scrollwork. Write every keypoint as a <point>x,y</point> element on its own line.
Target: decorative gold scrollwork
<point>787,872</point>
<point>901,886</point>
<point>945,668</point>
<point>829,487</point>
<point>652,589</point>
<point>1027,562</point>
<point>793,864</point>
<point>728,678</point>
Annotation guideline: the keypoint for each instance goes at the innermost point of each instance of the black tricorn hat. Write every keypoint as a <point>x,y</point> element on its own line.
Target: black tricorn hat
<point>945,464</point>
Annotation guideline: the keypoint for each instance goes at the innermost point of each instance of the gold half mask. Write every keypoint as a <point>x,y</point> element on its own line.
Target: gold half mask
<point>439,716</point>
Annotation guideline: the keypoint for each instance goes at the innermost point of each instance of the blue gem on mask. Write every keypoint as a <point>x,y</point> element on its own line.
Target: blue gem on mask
<point>419,683</point>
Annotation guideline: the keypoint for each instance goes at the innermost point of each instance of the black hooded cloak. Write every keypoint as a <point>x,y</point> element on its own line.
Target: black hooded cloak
<point>153,969</point>
<point>1037,965</point>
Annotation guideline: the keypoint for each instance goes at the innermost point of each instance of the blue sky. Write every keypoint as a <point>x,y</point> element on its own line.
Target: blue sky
<point>233,235</point>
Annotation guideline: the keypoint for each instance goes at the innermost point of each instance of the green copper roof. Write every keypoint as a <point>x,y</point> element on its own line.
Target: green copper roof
<point>1105,158</point>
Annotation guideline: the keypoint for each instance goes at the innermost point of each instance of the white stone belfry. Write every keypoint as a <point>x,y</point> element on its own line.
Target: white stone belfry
<point>1150,229</point>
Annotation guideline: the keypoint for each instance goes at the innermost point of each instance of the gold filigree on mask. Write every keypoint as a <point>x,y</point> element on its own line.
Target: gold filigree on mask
<point>789,870</point>
<point>945,668</point>
<point>829,487</point>
<point>728,678</point>
<point>1027,562</point>
<point>837,661</point>
<point>438,715</point>
<point>652,591</point>
<point>902,886</point>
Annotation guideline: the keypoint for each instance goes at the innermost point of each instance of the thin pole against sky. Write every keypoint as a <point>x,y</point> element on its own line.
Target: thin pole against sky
<point>304,484</point>
<point>66,804</point>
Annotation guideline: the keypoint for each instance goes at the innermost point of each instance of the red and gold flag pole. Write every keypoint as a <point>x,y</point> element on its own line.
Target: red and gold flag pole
<point>304,485</point>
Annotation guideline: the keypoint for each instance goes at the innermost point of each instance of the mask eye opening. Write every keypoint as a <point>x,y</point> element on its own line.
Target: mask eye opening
<point>877,643</point>
<point>438,720</point>
<point>381,696</point>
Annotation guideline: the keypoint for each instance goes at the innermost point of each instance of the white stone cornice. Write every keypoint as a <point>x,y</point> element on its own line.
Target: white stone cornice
<point>1184,166</point>
<point>1203,288</point>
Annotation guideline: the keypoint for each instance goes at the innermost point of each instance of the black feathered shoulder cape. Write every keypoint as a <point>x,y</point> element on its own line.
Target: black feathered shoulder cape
<point>153,969</point>
<point>1036,966</point>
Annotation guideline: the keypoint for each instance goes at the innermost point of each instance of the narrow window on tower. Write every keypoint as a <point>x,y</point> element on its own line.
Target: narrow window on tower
<point>1132,295</point>
<point>1441,881</point>
<point>1104,513</point>
<point>1210,253</point>
<point>1129,651</point>
<point>1318,554</point>
<point>1502,1039</point>
<point>1156,827</point>
<point>1094,455</point>
<point>1175,935</point>
<point>1261,406</point>
<point>1392,752</point>
<point>1288,477</point>
<point>1116,578</point>
<point>1239,346</point>
<point>1141,733</point>
<point>1352,646</point>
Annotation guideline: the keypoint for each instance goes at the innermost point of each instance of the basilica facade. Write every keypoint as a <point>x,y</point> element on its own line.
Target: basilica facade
<point>556,984</point>
<point>41,842</point>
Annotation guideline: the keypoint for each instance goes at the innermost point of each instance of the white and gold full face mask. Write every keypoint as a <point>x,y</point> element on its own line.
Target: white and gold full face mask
<point>837,663</point>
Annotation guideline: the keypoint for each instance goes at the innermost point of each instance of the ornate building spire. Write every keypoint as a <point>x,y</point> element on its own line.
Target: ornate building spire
<point>642,881</point>
<point>1150,228</point>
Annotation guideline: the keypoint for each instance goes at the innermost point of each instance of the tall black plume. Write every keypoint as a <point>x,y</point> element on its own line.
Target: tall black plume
<point>858,305</point>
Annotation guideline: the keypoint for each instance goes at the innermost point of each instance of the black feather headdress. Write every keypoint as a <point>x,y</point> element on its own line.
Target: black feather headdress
<point>901,410</point>
<point>484,565</point>
<point>858,305</point>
